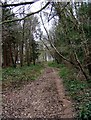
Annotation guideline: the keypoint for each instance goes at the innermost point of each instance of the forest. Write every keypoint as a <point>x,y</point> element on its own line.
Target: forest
<point>55,37</point>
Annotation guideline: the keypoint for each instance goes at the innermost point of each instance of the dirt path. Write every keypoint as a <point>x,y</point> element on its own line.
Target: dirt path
<point>43,98</point>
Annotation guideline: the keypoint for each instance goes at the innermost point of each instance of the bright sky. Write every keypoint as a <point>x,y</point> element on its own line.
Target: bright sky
<point>34,7</point>
<point>31,8</point>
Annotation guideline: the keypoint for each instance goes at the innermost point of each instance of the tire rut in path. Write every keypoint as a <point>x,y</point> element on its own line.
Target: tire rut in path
<point>42,98</point>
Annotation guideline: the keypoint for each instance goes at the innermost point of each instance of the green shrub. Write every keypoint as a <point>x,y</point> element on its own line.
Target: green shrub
<point>78,90</point>
<point>16,77</point>
<point>55,64</point>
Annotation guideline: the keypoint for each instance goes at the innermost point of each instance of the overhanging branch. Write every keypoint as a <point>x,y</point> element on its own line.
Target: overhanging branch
<point>18,4</point>
<point>8,21</point>
<point>53,46</point>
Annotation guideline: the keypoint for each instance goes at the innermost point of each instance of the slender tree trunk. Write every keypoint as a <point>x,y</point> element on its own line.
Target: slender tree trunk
<point>4,55</point>
<point>11,56</point>
<point>16,55</point>
<point>21,54</point>
<point>22,45</point>
<point>33,51</point>
<point>81,67</point>
<point>27,52</point>
<point>22,42</point>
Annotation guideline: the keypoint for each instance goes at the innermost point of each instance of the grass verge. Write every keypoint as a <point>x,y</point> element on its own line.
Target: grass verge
<point>77,89</point>
<point>17,77</point>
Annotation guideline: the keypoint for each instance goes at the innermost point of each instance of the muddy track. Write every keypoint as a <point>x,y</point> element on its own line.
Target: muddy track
<point>42,98</point>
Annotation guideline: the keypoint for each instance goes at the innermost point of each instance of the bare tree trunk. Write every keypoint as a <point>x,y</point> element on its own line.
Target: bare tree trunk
<point>21,54</point>
<point>79,64</point>
<point>11,56</point>
<point>81,67</point>
<point>4,55</point>
<point>27,52</point>
<point>52,45</point>
<point>33,51</point>
<point>15,54</point>
<point>22,45</point>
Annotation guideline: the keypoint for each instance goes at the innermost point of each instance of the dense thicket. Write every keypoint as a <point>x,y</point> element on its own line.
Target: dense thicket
<point>71,35</point>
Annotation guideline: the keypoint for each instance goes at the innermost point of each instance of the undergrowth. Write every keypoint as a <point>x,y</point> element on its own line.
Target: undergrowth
<point>55,64</point>
<point>16,77</point>
<point>77,89</point>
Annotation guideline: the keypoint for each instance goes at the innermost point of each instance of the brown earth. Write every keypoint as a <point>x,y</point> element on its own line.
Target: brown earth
<point>42,98</point>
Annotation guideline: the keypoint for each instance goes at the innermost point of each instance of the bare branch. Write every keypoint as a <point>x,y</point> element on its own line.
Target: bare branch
<point>18,4</point>
<point>52,45</point>
<point>8,21</point>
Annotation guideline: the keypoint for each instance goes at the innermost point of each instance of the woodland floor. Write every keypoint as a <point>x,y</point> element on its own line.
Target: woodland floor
<point>42,98</point>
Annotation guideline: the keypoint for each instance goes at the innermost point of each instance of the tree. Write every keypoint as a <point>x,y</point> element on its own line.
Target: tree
<point>10,42</point>
<point>69,40</point>
<point>71,33</point>
<point>30,35</point>
<point>19,4</point>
